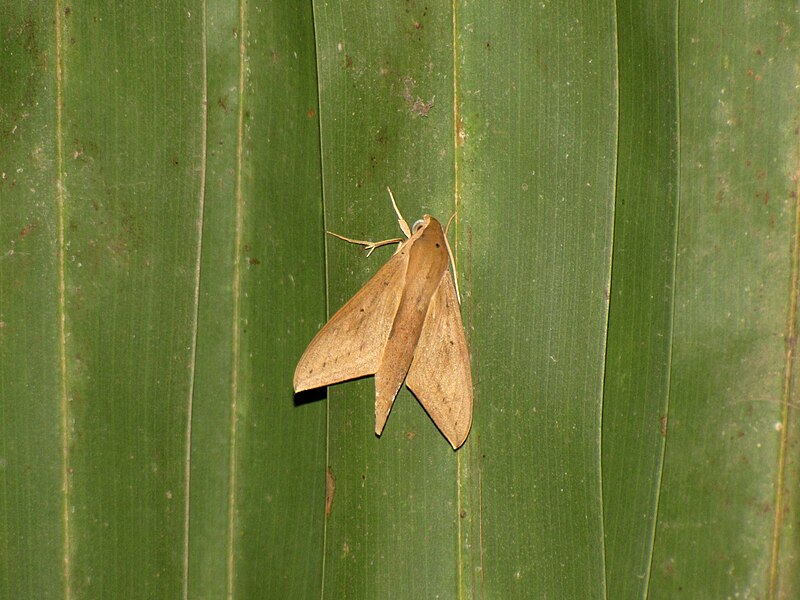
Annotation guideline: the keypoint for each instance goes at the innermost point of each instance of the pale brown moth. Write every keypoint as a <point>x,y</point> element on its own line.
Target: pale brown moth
<point>404,324</point>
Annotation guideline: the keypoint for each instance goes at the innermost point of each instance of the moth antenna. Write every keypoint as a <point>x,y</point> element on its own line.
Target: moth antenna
<point>452,261</point>
<point>401,221</point>
<point>368,246</point>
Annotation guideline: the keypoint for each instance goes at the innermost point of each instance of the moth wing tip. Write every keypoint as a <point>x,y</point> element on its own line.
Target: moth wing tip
<point>298,384</point>
<point>303,379</point>
<point>456,443</point>
<point>457,439</point>
<point>380,422</point>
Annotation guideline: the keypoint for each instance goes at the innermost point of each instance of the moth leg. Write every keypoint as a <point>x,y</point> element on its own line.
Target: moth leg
<point>368,246</point>
<point>452,260</point>
<point>400,220</point>
<point>450,220</point>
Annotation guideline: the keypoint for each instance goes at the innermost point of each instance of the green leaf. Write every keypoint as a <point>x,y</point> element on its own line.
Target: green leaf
<point>130,147</point>
<point>624,180</point>
<point>31,407</point>
<point>538,191</point>
<point>385,119</point>
<point>536,225</point>
<point>639,348</point>
<point>724,493</point>
<point>257,457</point>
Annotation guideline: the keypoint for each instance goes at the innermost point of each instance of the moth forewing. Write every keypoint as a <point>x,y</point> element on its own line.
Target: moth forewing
<point>350,344</point>
<point>440,375</point>
<point>427,260</point>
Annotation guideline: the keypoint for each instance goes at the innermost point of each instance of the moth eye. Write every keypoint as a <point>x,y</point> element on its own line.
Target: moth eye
<point>417,226</point>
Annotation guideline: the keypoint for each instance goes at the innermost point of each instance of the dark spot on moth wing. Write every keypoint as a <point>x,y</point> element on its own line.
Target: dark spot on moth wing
<point>437,245</point>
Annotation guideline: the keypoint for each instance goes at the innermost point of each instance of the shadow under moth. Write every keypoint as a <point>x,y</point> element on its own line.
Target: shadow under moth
<point>403,325</point>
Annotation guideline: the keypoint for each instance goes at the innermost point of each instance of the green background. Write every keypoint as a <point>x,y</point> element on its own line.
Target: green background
<point>624,178</point>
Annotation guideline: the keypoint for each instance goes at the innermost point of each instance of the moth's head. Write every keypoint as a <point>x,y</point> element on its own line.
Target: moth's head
<point>420,224</point>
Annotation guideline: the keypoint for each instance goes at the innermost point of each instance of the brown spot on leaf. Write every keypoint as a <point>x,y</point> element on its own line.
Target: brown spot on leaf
<point>330,488</point>
<point>416,104</point>
<point>25,231</point>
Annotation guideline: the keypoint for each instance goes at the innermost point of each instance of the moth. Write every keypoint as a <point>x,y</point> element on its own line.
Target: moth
<point>403,325</point>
